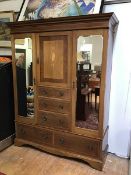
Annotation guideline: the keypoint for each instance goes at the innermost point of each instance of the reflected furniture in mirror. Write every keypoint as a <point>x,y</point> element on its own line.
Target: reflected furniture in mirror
<point>65,110</point>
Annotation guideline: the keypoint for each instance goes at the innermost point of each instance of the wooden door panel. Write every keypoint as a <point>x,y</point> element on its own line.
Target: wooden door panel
<point>52,67</point>
<point>54,58</point>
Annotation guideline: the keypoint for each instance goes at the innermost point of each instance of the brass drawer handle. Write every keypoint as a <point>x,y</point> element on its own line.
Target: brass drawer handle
<point>90,147</point>
<point>61,94</point>
<point>61,141</point>
<point>61,123</point>
<point>37,60</point>
<point>45,105</point>
<point>44,119</point>
<point>44,92</point>
<point>61,106</point>
<point>45,136</point>
<point>22,131</point>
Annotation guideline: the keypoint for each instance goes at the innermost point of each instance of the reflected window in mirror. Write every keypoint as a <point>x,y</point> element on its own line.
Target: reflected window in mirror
<point>88,75</point>
<point>24,77</point>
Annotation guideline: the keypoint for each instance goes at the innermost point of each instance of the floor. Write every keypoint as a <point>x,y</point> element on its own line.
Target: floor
<point>29,161</point>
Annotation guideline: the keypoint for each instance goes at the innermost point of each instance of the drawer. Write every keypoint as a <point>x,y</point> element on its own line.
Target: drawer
<point>54,92</point>
<point>54,120</point>
<point>34,134</point>
<point>54,105</point>
<point>77,144</point>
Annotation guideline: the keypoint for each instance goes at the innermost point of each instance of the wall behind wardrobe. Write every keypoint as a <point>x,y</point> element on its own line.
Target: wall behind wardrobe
<point>120,99</point>
<point>120,110</point>
<point>8,5</point>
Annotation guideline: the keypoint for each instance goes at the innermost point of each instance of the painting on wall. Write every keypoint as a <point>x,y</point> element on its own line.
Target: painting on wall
<point>4,30</point>
<point>38,9</point>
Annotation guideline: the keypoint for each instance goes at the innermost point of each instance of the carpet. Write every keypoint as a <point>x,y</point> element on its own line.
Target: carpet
<point>91,115</point>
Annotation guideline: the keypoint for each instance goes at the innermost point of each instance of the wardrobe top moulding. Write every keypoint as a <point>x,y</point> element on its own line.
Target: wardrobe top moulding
<point>95,21</point>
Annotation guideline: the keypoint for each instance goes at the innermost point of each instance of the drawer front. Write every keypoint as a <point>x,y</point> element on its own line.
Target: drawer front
<point>54,120</point>
<point>54,105</point>
<point>77,144</point>
<point>54,92</point>
<point>34,134</point>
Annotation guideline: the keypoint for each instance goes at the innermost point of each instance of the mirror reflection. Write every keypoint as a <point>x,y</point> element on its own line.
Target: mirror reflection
<point>24,76</point>
<point>89,60</point>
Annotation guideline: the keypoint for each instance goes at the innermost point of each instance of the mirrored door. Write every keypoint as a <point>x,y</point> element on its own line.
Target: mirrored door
<point>24,77</point>
<point>88,80</point>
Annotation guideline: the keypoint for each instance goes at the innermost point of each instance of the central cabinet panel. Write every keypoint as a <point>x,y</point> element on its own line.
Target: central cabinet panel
<point>52,65</point>
<point>53,58</point>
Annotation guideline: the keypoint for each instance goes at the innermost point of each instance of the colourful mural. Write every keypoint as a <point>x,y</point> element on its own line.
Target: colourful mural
<point>37,9</point>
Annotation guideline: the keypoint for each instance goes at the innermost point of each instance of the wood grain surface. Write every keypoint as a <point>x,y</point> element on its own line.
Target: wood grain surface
<point>27,160</point>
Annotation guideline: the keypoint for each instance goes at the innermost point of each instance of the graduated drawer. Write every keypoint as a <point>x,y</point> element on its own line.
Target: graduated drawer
<point>54,120</point>
<point>59,106</point>
<point>54,92</point>
<point>33,134</point>
<point>77,144</point>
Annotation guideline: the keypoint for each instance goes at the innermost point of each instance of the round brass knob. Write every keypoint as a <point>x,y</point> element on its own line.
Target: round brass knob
<point>44,118</point>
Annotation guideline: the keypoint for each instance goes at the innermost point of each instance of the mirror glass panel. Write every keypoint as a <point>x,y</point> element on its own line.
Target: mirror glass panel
<point>88,75</point>
<point>24,77</point>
